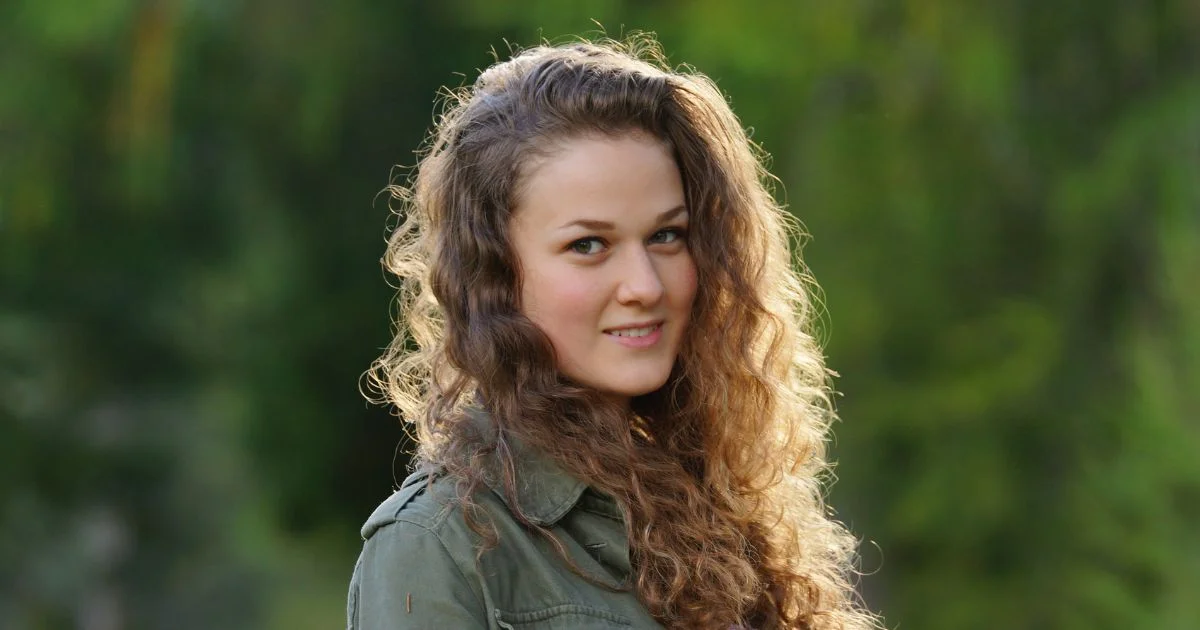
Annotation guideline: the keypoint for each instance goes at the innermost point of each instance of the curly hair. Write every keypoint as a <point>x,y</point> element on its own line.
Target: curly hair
<point>719,471</point>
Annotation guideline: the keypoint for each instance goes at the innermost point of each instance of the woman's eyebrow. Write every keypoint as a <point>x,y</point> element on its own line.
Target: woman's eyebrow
<point>590,224</point>
<point>672,213</point>
<point>593,224</point>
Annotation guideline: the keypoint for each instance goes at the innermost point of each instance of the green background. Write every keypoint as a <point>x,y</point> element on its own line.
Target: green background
<point>1004,202</point>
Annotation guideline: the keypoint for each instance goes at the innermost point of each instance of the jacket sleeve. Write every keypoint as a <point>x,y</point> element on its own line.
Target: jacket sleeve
<point>406,578</point>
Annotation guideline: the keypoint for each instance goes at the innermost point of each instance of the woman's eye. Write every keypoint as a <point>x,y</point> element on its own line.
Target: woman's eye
<point>668,235</point>
<point>586,246</point>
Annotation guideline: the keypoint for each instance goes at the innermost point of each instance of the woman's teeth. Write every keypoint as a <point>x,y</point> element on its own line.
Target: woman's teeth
<point>634,332</point>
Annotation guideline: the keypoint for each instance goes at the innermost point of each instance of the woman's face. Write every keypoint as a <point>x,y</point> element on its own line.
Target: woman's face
<point>601,235</point>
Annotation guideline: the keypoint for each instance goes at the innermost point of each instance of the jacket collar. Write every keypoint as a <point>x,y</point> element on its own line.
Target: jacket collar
<point>544,491</point>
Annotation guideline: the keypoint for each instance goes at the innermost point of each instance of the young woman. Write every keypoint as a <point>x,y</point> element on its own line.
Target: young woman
<point>604,346</point>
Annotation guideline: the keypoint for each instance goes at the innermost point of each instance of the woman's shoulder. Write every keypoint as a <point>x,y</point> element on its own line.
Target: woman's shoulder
<point>425,501</point>
<point>417,565</point>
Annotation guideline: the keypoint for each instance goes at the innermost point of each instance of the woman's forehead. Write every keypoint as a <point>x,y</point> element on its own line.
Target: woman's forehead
<point>601,179</point>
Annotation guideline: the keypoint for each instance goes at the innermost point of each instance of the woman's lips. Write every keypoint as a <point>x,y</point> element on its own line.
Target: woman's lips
<point>636,337</point>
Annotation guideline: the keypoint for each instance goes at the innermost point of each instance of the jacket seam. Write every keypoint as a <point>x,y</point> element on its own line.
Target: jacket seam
<point>542,614</point>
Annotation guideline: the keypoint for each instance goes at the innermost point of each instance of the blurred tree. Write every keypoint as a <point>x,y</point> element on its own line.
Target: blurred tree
<point>1001,200</point>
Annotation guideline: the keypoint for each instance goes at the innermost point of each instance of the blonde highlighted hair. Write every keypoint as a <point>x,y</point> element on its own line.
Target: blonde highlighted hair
<point>720,472</point>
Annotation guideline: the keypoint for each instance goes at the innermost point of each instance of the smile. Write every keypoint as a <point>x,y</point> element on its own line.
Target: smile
<point>636,336</point>
<point>634,332</point>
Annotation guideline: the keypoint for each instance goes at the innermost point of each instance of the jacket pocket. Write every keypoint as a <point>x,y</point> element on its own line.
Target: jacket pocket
<point>562,617</point>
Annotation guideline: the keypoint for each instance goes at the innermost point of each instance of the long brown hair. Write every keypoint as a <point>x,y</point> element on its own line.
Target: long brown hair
<point>720,470</point>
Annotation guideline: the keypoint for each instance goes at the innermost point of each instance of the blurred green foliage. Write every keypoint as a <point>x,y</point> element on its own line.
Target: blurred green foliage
<point>1005,203</point>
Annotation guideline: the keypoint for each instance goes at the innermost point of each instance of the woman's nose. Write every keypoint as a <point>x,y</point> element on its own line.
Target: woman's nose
<point>639,282</point>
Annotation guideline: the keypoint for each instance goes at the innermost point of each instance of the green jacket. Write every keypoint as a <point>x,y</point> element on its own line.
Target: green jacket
<point>418,564</point>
